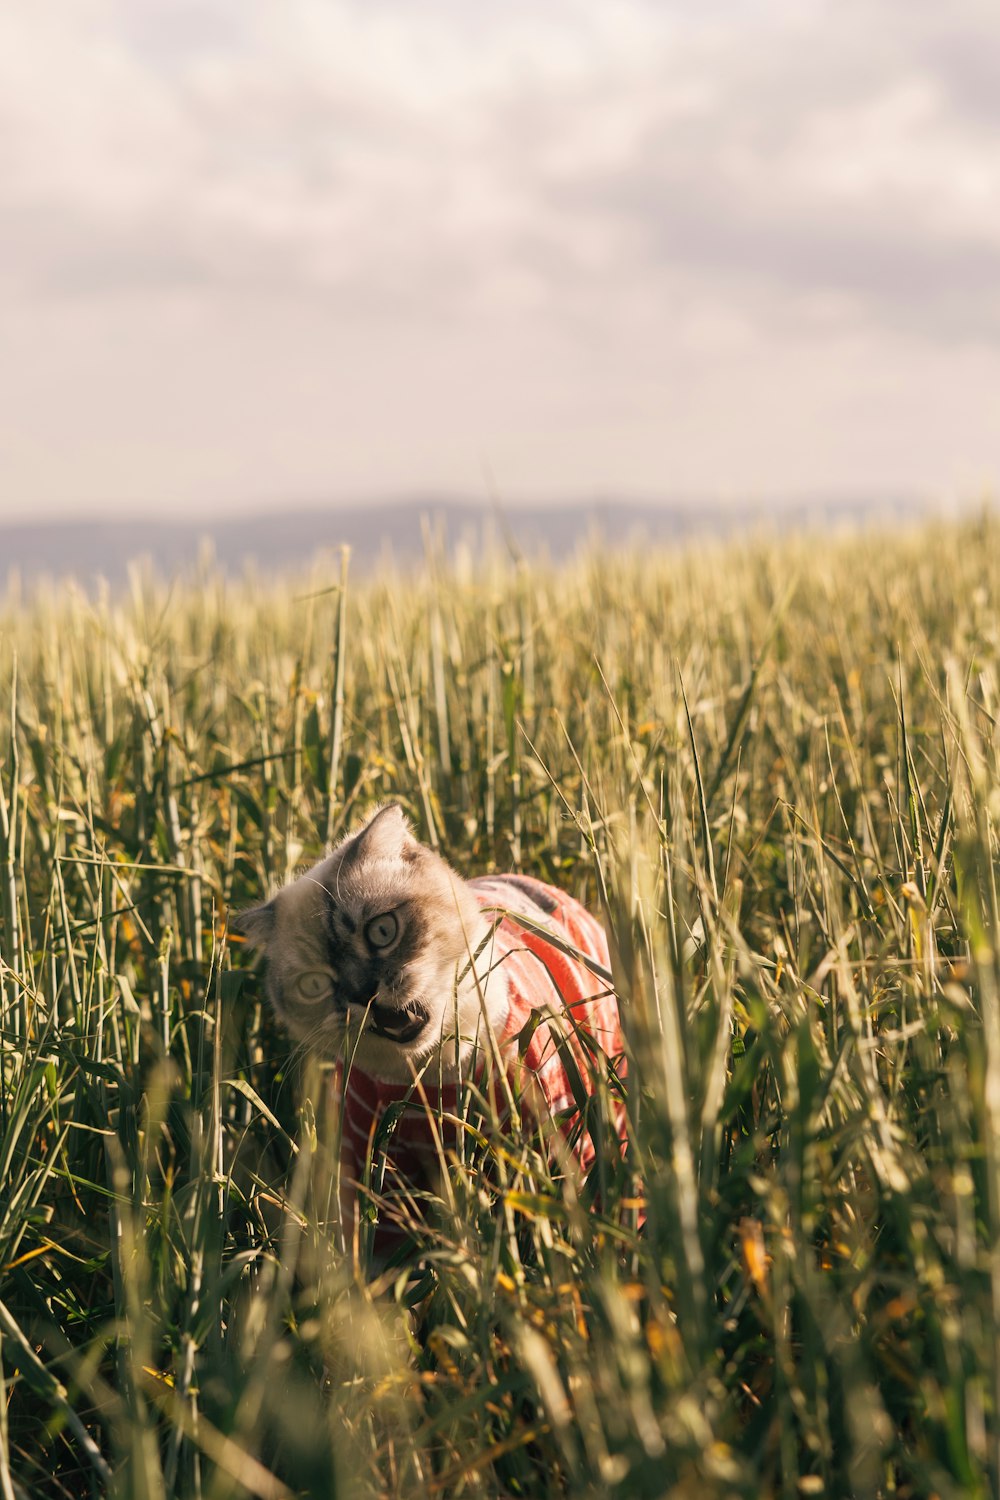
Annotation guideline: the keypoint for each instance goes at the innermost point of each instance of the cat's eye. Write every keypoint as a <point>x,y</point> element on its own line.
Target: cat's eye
<point>382,931</point>
<point>314,984</point>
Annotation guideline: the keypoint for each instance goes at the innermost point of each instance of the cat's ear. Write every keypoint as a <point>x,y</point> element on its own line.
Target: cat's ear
<point>256,925</point>
<point>385,835</point>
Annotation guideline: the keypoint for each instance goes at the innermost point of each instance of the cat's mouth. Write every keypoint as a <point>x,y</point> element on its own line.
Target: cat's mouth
<point>397,1024</point>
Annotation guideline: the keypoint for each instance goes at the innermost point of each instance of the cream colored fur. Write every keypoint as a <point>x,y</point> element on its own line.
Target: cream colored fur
<point>320,972</point>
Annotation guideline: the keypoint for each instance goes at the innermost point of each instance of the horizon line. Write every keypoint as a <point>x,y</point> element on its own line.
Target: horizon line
<point>726,504</point>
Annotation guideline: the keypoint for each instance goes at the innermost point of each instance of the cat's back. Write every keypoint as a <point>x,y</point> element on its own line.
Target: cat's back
<point>544,907</point>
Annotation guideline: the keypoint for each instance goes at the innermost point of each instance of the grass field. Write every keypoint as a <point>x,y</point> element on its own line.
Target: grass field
<point>772,769</point>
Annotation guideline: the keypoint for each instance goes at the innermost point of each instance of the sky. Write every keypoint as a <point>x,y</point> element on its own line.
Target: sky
<point>257,255</point>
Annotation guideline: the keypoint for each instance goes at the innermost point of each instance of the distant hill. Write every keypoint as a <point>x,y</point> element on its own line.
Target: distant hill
<point>290,539</point>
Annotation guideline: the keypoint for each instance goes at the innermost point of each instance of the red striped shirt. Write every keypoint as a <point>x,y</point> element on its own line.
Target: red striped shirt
<point>548,990</point>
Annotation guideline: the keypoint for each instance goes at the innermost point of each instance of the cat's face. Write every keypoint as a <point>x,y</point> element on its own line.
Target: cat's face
<point>376,941</point>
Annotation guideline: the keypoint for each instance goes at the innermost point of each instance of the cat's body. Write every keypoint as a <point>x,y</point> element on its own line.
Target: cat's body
<point>433,979</point>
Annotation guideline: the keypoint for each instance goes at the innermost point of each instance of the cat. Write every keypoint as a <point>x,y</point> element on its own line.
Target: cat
<point>426,979</point>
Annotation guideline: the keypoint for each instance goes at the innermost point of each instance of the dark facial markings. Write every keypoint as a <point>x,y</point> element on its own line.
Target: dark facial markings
<point>366,975</point>
<point>335,913</point>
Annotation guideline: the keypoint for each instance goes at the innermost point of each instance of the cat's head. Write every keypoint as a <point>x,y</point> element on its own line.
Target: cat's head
<point>376,940</point>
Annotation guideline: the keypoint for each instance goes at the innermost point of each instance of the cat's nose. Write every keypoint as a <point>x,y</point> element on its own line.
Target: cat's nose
<point>358,1000</point>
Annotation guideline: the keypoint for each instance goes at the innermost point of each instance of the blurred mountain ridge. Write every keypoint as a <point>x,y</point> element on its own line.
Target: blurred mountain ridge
<point>400,532</point>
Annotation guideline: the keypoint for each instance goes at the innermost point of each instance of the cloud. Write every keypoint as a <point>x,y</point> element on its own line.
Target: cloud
<point>567,215</point>
<point>378,154</point>
<point>796,165</point>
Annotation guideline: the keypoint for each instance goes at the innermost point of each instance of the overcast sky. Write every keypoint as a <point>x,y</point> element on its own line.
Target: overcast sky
<point>257,253</point>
